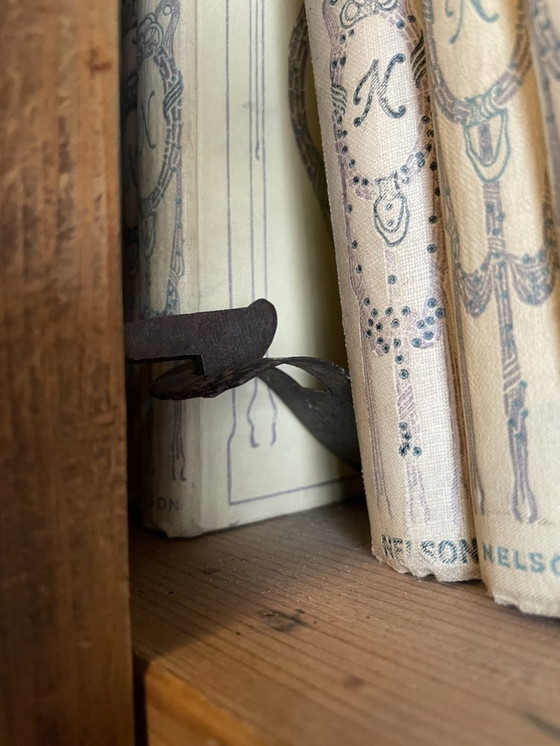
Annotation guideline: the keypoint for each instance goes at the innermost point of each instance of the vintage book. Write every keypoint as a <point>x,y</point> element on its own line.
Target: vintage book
<point>492,140</point>
<point>376,121</point>
<point>543,17</point>
<point>233,207</point>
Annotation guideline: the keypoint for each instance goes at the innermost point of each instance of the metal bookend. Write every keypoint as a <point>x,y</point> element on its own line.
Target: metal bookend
<point>212,340</point>
<point>225,350</point>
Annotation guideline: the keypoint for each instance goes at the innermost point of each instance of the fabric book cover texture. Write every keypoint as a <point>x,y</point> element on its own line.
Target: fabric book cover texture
<point>497,139</point>
<point>230,184</point>
<point>369,62</point>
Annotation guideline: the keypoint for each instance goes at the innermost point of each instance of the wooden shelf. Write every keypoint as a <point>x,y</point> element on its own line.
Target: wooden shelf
<point>289,632</point>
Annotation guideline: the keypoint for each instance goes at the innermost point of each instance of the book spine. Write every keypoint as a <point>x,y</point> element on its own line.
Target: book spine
<point>376,122</point>
<point>545,43</point>
<point>161,267</point>
<point>503,248</point>
<point>231,210</point>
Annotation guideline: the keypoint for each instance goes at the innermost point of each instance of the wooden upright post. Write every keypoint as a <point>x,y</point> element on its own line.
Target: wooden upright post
<point>64,625</point>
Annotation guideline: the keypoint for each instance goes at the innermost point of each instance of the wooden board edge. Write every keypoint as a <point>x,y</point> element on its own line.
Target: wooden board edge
<point>170,711</point>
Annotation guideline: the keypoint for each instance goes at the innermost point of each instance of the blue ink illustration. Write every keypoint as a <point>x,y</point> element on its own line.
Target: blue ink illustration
<point>500,275</point>
<point>390,326</point>
<point>162,108</point>
<point>458,10</point>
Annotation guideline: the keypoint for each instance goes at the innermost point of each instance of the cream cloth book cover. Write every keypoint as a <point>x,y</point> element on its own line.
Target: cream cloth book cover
<point>232,208</point>
<point>376,121</point>
<point>544,25</point>
<point>492,149</point>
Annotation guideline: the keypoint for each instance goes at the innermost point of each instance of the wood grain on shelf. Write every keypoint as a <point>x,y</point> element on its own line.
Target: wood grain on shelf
<point>175,713</point>
<point>64,627</point>
<point>294,630</point>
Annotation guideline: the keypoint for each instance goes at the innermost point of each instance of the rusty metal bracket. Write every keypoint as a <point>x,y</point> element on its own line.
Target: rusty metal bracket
<point>225,349</point>
<point>212,340</point>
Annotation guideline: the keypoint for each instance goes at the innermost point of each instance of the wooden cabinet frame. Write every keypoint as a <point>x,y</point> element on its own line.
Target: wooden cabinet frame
<point>64,622</point>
